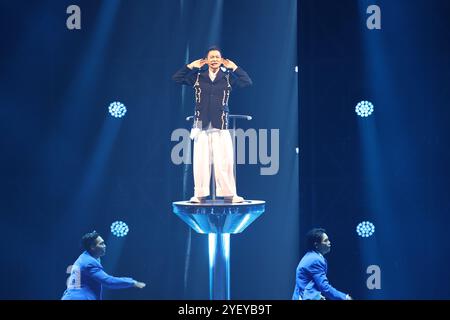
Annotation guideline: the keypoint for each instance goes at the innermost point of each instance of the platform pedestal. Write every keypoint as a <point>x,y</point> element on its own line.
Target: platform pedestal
<point>219,220</point>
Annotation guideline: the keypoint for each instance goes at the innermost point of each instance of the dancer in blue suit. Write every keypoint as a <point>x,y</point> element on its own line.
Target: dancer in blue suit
<point>87,277</point>
<point>311,275</point>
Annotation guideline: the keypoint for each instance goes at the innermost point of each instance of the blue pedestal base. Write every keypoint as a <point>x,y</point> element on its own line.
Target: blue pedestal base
<point>219,219</point>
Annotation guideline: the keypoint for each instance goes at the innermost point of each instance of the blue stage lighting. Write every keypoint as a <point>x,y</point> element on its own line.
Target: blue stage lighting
<point>365,229</point>
<point>364,109</point>
<point>117,109</point>
<point>119,228</point>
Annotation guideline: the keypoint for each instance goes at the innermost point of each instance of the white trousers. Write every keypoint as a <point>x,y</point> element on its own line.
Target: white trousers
<point>214,146</point>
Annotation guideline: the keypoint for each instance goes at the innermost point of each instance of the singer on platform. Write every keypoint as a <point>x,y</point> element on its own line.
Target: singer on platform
<point>212,139</point>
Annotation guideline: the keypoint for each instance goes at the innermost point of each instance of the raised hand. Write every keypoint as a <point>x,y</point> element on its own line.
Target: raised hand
<point>197,64</point>
<point>229,64</point>
<point>139,285</point>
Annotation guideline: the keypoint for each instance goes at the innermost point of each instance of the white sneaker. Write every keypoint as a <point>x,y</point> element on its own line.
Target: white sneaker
<point>197,200</point>
<point>234,199</point>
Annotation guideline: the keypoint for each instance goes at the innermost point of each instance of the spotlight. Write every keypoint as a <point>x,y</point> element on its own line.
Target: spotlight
<point>364,109</point>
<point>119,229</point>
<point>365,229</point>
<point>117,109</point>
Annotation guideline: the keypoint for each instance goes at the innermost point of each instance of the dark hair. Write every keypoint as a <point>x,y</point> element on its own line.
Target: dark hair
<point>314,236</point>
<point>213,48</point>
<point>88,240</point>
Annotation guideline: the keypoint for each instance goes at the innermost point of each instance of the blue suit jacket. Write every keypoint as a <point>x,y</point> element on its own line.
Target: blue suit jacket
<point>87,279</point>
<point>311,279</point>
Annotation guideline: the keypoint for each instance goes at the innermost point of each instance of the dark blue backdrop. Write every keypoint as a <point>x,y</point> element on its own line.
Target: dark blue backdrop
<point>68,167</point>
<point>390,168</point>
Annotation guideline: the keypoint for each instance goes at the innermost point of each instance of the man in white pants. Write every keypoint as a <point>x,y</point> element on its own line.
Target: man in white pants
<point>214,145</point>
<point>212,139</point>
